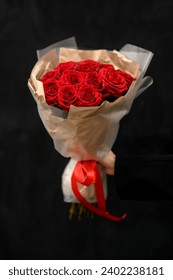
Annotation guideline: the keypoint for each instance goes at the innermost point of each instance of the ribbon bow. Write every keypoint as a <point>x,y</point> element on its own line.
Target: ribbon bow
<point>87,173</point>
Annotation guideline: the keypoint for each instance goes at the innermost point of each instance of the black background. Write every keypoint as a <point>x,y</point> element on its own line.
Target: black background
<point>34,218</point>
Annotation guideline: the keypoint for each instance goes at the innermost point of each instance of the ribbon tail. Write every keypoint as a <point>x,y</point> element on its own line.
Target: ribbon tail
<point>101,210</point>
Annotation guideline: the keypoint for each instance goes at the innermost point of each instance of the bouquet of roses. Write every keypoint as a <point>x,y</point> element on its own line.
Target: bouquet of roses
<point>81,97</point>
<point>85,83</point>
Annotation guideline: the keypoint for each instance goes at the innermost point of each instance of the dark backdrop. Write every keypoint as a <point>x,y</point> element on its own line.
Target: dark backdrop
<point>34,218</point>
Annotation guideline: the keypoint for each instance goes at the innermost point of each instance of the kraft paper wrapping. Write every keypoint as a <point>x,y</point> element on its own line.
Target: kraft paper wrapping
<point>85,132</point>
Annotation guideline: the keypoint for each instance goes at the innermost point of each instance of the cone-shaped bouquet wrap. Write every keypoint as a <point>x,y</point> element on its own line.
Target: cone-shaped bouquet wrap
<point>101,86</point>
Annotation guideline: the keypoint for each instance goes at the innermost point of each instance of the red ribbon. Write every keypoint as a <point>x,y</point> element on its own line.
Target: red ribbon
<point>87,173</point>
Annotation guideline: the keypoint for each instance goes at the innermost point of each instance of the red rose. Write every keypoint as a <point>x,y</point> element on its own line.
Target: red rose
<point>66,96</point>
<point>106,66</point>
<point>51,91</point>
<point>88,96</point>
<point>72,77</point>
<point>48,75</point>
<point>87,66</point>
<point>129,79</point>
<point>92,79</point>
<point>112,82</point>
<point>61,67</point>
